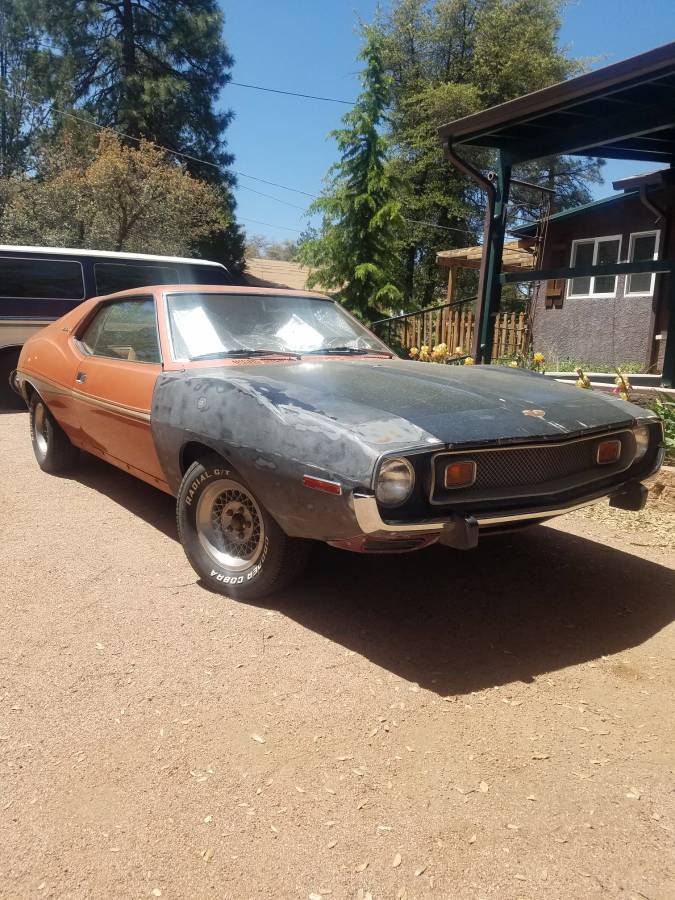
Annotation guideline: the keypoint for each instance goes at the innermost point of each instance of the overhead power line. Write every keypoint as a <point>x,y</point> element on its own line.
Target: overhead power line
<point>245,187</point>
<point>257,87</point>
<point>178,153</point>
<point>270,224</point>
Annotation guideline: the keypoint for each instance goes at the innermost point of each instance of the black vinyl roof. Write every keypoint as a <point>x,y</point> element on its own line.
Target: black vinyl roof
<point>622,111</point>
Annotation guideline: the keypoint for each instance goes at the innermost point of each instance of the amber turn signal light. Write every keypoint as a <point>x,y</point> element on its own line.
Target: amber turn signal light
<point>608,452</point>
<point>321,484</point>
<point>460,474</point>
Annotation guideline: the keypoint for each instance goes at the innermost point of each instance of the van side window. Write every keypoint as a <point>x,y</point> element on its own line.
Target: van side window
<point>41,279</point>
<point>112,277</point>
<point>124,330</point>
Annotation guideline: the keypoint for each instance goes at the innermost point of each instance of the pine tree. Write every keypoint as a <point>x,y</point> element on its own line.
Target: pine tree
<point>355,252</point>
<point>448,59</point>
<point>25,83</point>
<point>154,69</point>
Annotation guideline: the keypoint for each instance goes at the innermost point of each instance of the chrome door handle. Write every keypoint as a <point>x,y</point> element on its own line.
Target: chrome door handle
<point>81,377</point>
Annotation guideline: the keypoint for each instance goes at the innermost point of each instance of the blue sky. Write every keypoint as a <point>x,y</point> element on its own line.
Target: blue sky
<point>310,46</point>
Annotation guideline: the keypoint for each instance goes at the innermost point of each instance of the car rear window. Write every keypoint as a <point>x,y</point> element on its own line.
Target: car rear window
<point>41,279</point>
<point>113,277</point>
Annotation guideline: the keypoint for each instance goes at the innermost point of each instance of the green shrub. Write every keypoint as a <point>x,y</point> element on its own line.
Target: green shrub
<point>664,407</point>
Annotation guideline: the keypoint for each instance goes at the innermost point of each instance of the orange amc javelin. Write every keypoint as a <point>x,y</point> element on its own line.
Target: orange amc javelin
<point>277,419</point>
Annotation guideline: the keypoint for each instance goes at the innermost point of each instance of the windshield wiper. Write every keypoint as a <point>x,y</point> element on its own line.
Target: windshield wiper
<point>346,350</point>
<point>243,353</point>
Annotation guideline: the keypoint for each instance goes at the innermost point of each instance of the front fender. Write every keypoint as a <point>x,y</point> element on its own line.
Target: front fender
<point>271,444</point>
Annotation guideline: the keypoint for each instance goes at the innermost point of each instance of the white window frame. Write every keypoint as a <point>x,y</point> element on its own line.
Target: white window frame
<point>656,232</point>
<point>596,243</point>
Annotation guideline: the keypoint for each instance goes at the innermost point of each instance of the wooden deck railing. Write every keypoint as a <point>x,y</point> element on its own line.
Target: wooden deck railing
<point>452,324</point>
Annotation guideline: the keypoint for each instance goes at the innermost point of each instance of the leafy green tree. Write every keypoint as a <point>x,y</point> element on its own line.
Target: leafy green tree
<point>355,253</point>
<point>117,198</point>
<point>154,69</point>
<point>447,59</point>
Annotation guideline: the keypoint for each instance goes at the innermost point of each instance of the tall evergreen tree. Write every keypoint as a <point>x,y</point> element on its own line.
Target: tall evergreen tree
<point>449,58</point>
<point>26,81</point>
<point>154,69</point>
<point>355,253</point>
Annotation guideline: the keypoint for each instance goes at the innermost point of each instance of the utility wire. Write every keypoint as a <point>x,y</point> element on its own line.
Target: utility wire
<point>270,224</point>
<point>245,187</point>
<point>257,87</point>
<point>179,153</point>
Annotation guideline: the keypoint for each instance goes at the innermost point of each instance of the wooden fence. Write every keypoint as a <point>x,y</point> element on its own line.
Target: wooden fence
<point>453,325</point>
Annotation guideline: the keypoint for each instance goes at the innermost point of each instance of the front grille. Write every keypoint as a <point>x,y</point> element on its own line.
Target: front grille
<point>509,472</point>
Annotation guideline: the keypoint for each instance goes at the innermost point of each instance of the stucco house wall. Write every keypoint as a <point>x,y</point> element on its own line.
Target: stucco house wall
<point>608,331</point>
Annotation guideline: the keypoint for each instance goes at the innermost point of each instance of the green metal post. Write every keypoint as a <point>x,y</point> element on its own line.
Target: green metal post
<point>668,375</point>
<point>494,251</point>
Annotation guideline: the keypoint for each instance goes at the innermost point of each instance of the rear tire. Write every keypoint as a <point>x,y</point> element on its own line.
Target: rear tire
<point>229,538</point>
<point>53,451</point>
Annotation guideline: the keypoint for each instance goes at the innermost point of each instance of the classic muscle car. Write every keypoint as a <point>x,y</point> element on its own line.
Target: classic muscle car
<point>277,419</point>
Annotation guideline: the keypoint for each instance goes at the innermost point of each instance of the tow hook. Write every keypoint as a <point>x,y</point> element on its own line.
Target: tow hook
<point>633,497</point>
<point>460,533</point>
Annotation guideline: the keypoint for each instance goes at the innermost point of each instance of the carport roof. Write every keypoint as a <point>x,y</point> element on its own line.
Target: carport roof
<point>623,111</point>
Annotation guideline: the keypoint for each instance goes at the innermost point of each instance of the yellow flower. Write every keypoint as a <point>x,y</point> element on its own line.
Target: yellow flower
<point>539,358</point>
<point>468,361</point>
<point>413,352</point>
<point>513,364</point>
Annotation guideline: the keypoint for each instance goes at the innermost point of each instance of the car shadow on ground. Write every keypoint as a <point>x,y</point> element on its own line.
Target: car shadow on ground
<point>516,608</point>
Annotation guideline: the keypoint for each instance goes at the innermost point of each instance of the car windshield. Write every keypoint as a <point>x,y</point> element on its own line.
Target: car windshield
<point>209,325</point>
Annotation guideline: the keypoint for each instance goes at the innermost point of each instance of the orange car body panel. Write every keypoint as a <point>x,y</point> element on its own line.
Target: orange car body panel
<point>108,414</point>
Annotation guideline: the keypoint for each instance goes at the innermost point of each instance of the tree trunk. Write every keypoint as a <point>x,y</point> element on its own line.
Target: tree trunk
<point>130,105</point>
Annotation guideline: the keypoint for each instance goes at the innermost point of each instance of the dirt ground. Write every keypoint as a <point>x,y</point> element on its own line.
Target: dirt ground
<point>497,724</point>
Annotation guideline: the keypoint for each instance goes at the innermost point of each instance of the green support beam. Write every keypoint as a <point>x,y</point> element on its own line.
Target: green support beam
<point>628,268</point>
<point>488,304</point>
<point>636,123</point>
<point>668,371</point>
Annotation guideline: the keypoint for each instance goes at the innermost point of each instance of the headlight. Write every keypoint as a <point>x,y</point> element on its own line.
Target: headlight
<point>641,435</point>
<point>395,482</point>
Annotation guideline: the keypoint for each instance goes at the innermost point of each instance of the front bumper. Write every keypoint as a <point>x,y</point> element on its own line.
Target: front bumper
<point>461,530</point>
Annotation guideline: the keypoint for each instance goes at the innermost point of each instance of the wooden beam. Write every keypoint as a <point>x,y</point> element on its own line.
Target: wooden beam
<point>451,284</point>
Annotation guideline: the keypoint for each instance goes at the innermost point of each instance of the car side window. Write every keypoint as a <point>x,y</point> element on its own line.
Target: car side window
<point>124,330</point>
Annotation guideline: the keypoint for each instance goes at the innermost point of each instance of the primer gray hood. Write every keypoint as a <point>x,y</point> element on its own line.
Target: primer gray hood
<point>393,403</point>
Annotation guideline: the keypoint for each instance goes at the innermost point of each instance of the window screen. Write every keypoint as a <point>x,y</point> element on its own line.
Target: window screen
<point>41,279</point>
<point>113,277</point>
<point>643,247</point>
<point>125,330</point>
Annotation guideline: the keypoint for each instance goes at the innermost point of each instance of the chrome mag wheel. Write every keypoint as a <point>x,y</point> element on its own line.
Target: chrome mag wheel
<point>40,427</point>
<point>230,525</point>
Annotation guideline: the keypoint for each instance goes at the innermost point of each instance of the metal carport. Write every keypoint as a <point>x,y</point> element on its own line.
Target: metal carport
<point>622,111</point>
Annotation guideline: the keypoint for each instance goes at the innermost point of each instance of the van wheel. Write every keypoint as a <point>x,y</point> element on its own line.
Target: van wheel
<point>230,539</point>
<point>52,449</point>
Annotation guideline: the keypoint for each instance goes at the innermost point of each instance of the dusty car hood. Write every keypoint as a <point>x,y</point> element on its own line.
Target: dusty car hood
<point>396,403</point>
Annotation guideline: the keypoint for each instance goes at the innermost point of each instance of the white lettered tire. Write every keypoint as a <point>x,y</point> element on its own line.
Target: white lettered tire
<point>230,539</point>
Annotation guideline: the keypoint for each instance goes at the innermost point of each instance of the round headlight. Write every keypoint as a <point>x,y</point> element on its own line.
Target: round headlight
<point>641,435</point>
<point>395,482</point>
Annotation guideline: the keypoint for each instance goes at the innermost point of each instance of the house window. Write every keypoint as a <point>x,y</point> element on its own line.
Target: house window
<point>643,245</point>
<point>594,252</point>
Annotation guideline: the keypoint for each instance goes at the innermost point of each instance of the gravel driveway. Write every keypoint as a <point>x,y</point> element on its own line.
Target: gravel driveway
<point>496,724</point>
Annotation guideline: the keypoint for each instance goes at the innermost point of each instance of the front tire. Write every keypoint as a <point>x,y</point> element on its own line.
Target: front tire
<point>53,451</point>
<point>229,538</point>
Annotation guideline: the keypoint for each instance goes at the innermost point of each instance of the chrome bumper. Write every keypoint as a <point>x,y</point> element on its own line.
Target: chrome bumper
<point>371,522</point>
